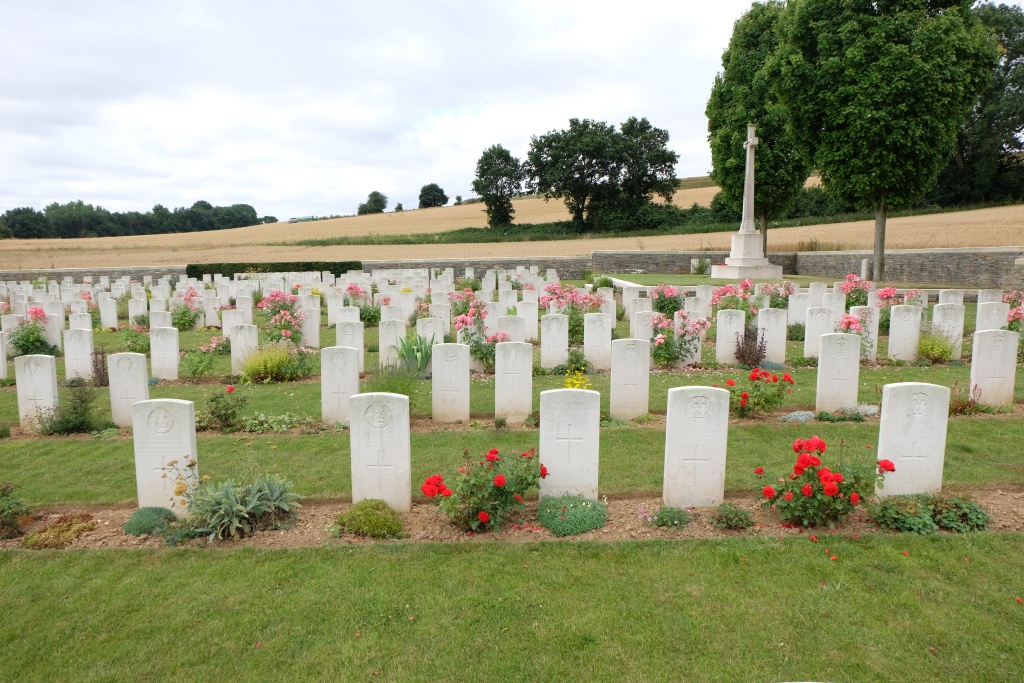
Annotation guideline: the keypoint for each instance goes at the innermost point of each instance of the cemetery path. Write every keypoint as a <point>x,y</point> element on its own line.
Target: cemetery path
<point>424,523</point>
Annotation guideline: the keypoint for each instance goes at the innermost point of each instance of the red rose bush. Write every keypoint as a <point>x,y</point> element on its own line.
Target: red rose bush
<point>813,494</point>
<point>483,495</point>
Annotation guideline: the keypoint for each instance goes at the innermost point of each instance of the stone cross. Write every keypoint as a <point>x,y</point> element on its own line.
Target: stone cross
<point>747,223</point>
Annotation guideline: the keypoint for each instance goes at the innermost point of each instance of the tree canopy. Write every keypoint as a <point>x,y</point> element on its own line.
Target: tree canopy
<point>877,92</point>
<point>741,95</point>
<point>376,202</point>
<point>432,195</point>
<point>499,178</point>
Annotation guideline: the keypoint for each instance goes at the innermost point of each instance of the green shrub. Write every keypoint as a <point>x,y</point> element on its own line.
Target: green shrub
<point>195,365</point>
<point>230,509</point>
<point>136,341</point>
<point>373,518</point>
<point>732,517</point>
<point>198,270</point>
<point>222,410</point>
<point>576,362</point>
<point>369,315</point>
<point>59,533</point>
<point>30,339</point>
<point>150,521</point>
<point>140,321</point>
<point>603,281</point>
<point>262,424</point>
<point>75,414</point>
<point>570,515</point>
<point>415,353</point>
<point>392,379</point>
<point>958,514</point>
<point>908,514</point>
<point>278,362</point>
<point>933,345</point>
<point>795,332</point>
<point>11,511</point>
<point>669,518</point>
<point>184,318</point>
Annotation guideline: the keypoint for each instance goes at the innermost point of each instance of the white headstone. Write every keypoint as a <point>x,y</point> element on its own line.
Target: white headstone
<point>630,378</point>
<point>729,328</point>
<point>136,307</point>
<point>163,350</point>
<point>80,321</point>
<point>570,426</point>
<point>838,372</point>
<point>513,381</point>
<point>951,296</point>
<point>554,340</point>
<point>390,334</point>
<point>904,332</point>
<point>164,432</point>
<point>912,434</point>
<point>160,319</point>
<point>512,325</point>
<point>3,355</point>
<point>430,330</point>
<point>339,381</point>
<point>245,339</point>
<point>310,327</point>
<point>987,296</point>
<point>816,292</point>
<point>597,339</point>
<point>380,449</point>
<point>230,318</point>
<point>797,310</point>
<point>78,354</point>
<point>836,301</point>
<point>820,320</point>
<point>696,430</point>
<point>771,324</point>
<point>948,318</point>
<point>641,325</point>
<point>350,333</point>
<point>991,316</point>
<point>129,384</point>
<point>391,312</point>
<point>994,366</point>
<point>869,317</point>
<point>450,383</point>
<point>108,314</point>
<point>36,379</point>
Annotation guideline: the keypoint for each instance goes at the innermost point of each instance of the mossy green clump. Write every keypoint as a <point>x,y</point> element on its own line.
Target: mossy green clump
<point>570,515</point>
<point>59,533</point>
<point>150,521</point>
<point>372,518</point>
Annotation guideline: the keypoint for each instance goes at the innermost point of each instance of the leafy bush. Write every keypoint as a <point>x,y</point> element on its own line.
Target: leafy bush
<point>764,394</point>
<point>603,281</point>
<point>230,509</point>
<point>751,348</point>
<point>933,345</point>
<point>140,322</point>
<point>150,521</point>
<point>795,332</point>
<point>668,517</point>
<point>958,514</point>
<point>570,515</point>
<point>75,414</point>
<point>414,353</point>
<point>702,267</point>
<point>184,317</point>
<point>136,340</point>
<point>373,518</point>
<point>484,493</point>
<point>732,517</point>
<point>30,339</point>
<point>59,533</point>
<point>198,270</point>
<point>575,363</point>
<point>393,379</point>
<point>262,424</point>
<point>278,362</point>
<point>813,495</point>
<point>222,410</point>
<point>195,365</point>
<point>11,511</point>
<point>907,514</point>
<point>369,315</point>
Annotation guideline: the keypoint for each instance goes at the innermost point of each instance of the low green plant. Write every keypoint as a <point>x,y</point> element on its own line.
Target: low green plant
<point>414,353</point>
<point>933,345</point>
<point>576,362</point>
<point>702,267</point>
<point>603,281</point>
<point>392,379</point>
<point>795,332</point>
<point>150,521</point>
<point>805,362</point>
<point>140,322</point>
<point>59,533</point>
<point>12,511</point>
<point>840,416</point>
<point>958,514</point>
<point>731,517</point>
<point>764,393</point>
<point>483,494</point>
<point>222,410</point>
<point>30,339</point>
<point>230,509</point>
<point>278,362</point>
<point>372,518</point>
<point>668,517</point>
<point>571,515</point>
<point>136,340</point>
<point>369,315</point>
<point>195,365</point>
<point>500,422</point>
<point>906,514</point>
<point>184,318</point>
<point>75,413</point>
<point>752,347</point>
<point>263,424</point>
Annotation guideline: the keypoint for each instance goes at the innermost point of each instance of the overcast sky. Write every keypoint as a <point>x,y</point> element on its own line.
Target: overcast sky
<point>302,108</point>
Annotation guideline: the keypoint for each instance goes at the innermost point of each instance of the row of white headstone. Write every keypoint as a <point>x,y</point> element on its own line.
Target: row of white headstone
<point>912,435</point>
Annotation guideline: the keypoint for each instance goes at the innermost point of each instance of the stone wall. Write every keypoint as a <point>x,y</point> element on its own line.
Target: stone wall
<point>675,262</point>
<point>58,274</point>
<point>568,267</point>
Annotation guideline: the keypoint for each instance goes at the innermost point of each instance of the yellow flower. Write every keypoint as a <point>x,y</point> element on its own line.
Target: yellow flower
<point>180,488</point>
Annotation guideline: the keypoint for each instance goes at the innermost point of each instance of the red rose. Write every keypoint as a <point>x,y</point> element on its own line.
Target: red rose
<point>499,480</point>
<point>519,498</point>
<point>753,375</point>
<point>807,490</point>
<point>429,490</point>
<point>837,478</point>
<point>759,471</point>
<point>854,498</point>
<point>493,456</point>
<point>230,389</point>
<point>825,475</point>
<point>775,379</point>
<point>730,382</point>
<point>483,517</point>
<point>798,445</point>
<point>814,460</point>
<point>446,493</point>
<point>831,488</point>
<point>786,377</point>
<point>886,466</point>
<point>798,470</point>
<point>789,495</point>
<point>803,461</point>
<point>768,492</point>
<point>543,471</point>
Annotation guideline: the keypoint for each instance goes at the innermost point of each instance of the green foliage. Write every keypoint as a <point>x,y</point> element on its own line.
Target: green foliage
<point>933,345</point>
<point>958,514</point>
<point>742,95</point>
<point>393,379</point>
<point>840,416</point>
<point>877,93</point>
<point>906,514</point>
<point>222,410</point>
<point>603,281</point>
<point>398,207</point>
<point>195,365</point>
<point>751,348</point>
<point>668,517</point>
<point>372,518</point>
<point>30,339</point>
<point>230,509</point>
<point>414,353</point>
<point>11,511</point>
<point>198,270</point>
<point>732,517</point>
<point>570,515</point>
<point>136,340</point>
<point>576,362</point>
<point>765,391</point>
<point>432,195</point>
<point>499,179</point>
<point>60,533</point>
<point>483,494</point>
<point>184,318</point>
<point>369,315</point>
<point>27,223</point>
<point>150,521</point>
<point>278,362</point>
<point>703,265</point>
<point>75,413</point>
<point>263,424</point>
<point>795,332</point>
<point>375,203</point>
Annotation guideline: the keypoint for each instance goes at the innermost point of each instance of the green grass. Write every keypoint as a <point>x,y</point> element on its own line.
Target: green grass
<point>746,609</point>
<point>650,279</point>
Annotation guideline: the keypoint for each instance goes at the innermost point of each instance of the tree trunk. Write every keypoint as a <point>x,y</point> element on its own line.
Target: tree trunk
<point>762,221</point>
<point>880,213</point>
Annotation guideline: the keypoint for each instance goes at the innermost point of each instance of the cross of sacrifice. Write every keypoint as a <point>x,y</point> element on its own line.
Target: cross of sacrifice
<point>567,440</point>
<point>379,467</point>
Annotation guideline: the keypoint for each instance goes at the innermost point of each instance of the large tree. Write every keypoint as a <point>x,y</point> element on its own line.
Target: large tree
<point>742,95</point>
<point>27,223</point>
<point>376,202</point>
<point>432,195</point>
<point>499,178</point>
<point>987,162</point>
<point>878,91</point>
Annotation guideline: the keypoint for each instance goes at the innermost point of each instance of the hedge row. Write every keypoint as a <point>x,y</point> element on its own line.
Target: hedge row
<point>197,270</point>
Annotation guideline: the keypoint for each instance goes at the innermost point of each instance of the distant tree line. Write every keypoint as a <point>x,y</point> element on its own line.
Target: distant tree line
<point>78,219</point>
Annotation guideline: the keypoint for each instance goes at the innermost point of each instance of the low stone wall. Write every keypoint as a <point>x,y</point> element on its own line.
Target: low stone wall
<point>674,262</point>
<point>58,274</point>
<point>568,267</point>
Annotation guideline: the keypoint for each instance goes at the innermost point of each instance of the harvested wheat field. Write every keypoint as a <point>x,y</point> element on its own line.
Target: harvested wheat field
<point>994,227</point>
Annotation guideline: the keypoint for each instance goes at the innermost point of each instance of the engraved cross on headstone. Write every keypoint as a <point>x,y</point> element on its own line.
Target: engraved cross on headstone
<point>913,455</point>
<point>630,383</point>
<point>512,374</point>
<point>380,466</point>
<point>694,460</point>
<point>567,440</point>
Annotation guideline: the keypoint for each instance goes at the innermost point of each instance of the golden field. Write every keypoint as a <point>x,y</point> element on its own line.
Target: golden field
<point>1001,226</point>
